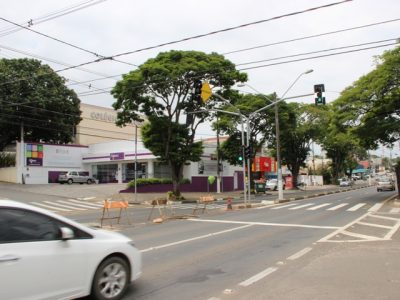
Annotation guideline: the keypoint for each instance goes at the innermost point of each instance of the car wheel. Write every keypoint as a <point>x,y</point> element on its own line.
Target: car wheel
<point>111,279</point>
<point>89,181</point>
<point>70,181</point>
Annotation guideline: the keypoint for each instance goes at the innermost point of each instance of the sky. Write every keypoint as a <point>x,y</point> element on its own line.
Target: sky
<point>85,28</point>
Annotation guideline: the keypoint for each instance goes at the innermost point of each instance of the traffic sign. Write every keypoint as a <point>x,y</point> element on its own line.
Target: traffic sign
<point>206,92</point>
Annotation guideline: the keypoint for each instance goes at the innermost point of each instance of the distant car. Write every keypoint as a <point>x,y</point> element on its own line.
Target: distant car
<point>75,177</point>
<point>384,184</point>
<point>272,184</point>
<point>345,182</point>
<point>47,256</point>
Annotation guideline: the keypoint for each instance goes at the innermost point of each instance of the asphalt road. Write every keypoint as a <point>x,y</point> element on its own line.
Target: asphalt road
<point>250,253</point>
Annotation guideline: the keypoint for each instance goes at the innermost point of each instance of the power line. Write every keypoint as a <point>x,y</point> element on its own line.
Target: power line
<point>230,28</point>
<point>315,52</point>
<point>310,36</point>
<point>315,57</point>
<point>51,16</point>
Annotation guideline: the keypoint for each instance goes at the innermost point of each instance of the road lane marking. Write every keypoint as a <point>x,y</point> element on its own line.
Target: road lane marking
<point>258,276</point>
<point>88,203</point>
<point>194,239</point>
<point>376,207</point>
<point>62,205</point>
<point>263,224</point>
<point>395,210</point>
<point>79,204</point>
<point>52,208</point>
<point>299,254</point>
<point>301,206</point>
<point>356,207</point>
<point>283,206</point>
<point>338,206</point>
<point>375,225</point>
<point>319,206</point>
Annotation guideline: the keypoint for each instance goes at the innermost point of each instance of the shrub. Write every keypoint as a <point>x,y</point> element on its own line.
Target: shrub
<point>148,181</point>
<point>7,159</point>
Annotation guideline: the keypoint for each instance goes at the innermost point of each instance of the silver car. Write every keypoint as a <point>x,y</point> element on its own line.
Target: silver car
<point>75,176</point>
<point>385,184</point>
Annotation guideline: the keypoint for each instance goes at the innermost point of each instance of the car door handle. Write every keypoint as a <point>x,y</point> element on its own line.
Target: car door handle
<point>8,257</point>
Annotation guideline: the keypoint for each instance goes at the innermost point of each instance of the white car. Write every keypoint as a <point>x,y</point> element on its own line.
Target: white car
<point>272,184</point>
<point>46,256</point>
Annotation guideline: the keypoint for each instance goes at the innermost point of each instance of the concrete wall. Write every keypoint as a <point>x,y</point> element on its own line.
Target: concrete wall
<point>8,174</point>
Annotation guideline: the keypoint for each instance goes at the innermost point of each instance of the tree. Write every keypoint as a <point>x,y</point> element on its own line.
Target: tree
<point>299,126</point>
<point>33,95</point>
<point>372,104</point>
<point>161,90</point>
<point>261,125</point>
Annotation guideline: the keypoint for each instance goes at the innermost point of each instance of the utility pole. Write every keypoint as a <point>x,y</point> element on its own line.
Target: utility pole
<point>278,151</point>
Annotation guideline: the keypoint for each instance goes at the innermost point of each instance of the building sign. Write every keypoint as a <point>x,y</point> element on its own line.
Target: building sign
<point>264,164</point>
<point>117,156</point>
<point>107,117</point>
<point>63,156</point>
<point>34,154</point>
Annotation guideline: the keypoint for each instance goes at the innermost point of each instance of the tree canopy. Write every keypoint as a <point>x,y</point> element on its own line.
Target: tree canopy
<point>161,90</point>
<point>371,106</point>
<point>34,95</point>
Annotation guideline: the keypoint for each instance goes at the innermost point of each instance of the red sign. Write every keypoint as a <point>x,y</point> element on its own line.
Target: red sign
<point>264,164</point>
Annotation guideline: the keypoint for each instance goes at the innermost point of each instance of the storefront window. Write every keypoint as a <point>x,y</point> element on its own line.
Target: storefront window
<point>106,173</point>
<point>128,171</point>
<point>162,170</point>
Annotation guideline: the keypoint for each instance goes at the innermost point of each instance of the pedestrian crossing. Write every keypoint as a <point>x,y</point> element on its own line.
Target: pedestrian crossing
<point>68,205</point>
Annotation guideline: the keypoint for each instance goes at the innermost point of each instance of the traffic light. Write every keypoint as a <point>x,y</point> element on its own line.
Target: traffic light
<point>239,156</point>
<point>319,96</point>
<point>247,152</point>
<point>196,95</point>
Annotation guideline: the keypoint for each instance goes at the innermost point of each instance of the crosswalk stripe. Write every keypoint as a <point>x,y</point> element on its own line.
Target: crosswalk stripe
<point>395,210</point>
<point>301,206</point>
<point>376,207</point>
<point>77,204</point>
<point>50,207</point>
<point>86,204</point>
<point>319,206</point>
<point>62,205</point>
<point>283,206</point>
<point>338,206</point>
<point>355,207</point>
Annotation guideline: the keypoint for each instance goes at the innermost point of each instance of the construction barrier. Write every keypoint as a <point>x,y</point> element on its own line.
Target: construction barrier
<point>203,202</point>
<point>164,208</point>
<point>108,204</point>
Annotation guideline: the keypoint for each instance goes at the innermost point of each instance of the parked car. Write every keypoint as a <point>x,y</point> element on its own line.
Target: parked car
<point>384,184</point>
<point>345,182</point>
<point>47,256</point>
<point>272,184</point>
<point>75,176</point>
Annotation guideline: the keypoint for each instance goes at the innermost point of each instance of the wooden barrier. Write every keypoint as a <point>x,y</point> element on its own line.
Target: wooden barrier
<point>108,204</point>
<point>203,202</point>
<point>163,206</point>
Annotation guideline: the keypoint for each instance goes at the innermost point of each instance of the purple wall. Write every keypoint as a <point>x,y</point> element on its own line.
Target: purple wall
<point>199,184</point>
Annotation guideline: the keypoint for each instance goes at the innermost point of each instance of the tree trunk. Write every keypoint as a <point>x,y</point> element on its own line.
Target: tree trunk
<point>397,170</point>
<point>177,172</point>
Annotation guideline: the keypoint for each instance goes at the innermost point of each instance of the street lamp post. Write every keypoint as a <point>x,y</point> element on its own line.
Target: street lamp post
<point>277,133</point>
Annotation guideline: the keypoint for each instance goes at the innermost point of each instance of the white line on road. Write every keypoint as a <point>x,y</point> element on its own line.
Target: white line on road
<point>355,207</point>
<point>263,224</point>
<point>52,208</point>
<point>375,225</point>
<point>319,206</point>
<point>194,239</point>
<point>300,253</point>
<point>258,277</point>
<point>86,204</point>
<point>77,204</point>
<point>283,206</point>
<point>55,204</point>
<point>395,210</point>
<point>301,206</point>
<point>376,207</point>
<point>338,206</point>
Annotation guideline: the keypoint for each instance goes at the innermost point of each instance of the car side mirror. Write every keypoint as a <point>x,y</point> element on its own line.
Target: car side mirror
<point>66,233</point>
